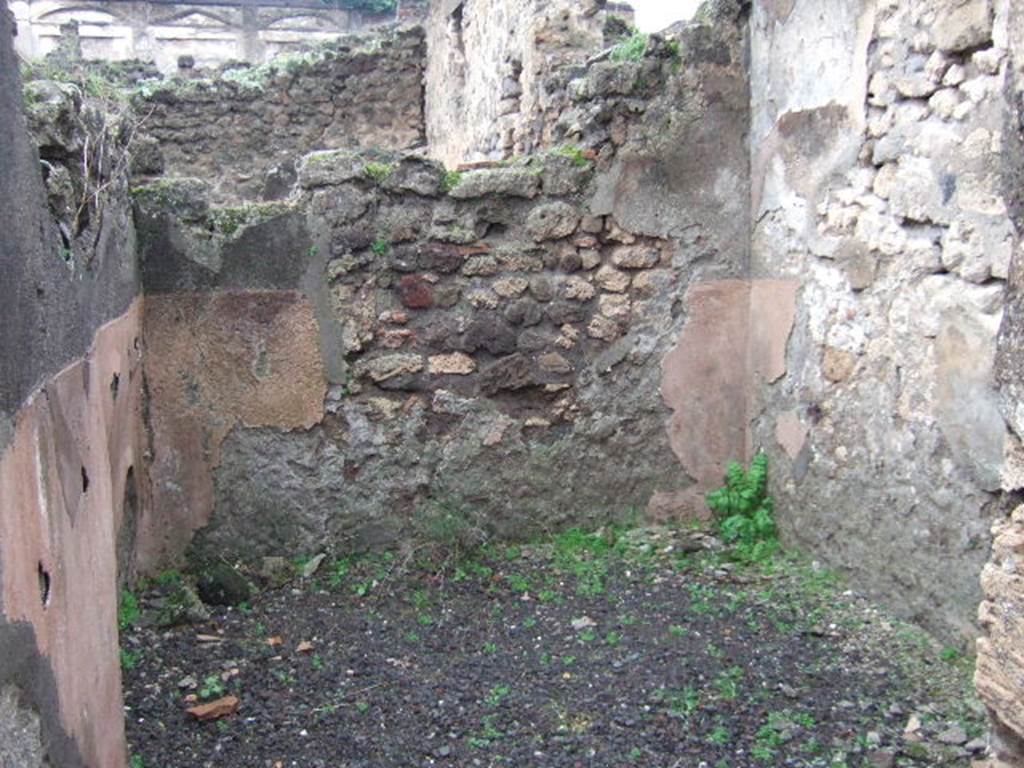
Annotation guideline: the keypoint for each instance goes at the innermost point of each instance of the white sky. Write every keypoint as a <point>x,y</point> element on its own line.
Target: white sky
<point>655,15</point>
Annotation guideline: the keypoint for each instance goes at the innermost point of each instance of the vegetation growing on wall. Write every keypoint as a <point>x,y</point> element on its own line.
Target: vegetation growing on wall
<point>630,49</point>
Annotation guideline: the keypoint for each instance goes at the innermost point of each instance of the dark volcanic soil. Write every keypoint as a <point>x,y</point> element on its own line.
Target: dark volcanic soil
<point>591,651</point>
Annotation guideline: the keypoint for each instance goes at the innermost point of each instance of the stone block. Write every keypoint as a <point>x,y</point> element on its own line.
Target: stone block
<point>511,182</point>
<point>962,24</point>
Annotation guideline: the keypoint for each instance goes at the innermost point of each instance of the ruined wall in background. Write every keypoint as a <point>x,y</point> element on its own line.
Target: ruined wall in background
<point>71,438</point>
<point>496,66</point>
<point>1000,669</point>
<point>405,341</point>
<point>244,129</point>
<point>161,33</point>
<point>877,138</point>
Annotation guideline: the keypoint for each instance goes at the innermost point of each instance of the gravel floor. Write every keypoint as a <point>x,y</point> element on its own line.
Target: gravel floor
<point>643,648</point>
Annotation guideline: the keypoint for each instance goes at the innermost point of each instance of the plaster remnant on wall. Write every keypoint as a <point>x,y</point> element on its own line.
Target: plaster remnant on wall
<point>704,380</point>
<point>50,520</point>
<point>736,334</point>
<point>214,362</point>
<point>772,313</point>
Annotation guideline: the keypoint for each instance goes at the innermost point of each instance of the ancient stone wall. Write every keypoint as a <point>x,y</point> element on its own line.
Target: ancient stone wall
<point>162,33</point>
<point>876,145</point>
<point>497,67</point>
<point>72,442</point>
<point>1000,670</point>
<point>393,341</point>
<point>244,129</point>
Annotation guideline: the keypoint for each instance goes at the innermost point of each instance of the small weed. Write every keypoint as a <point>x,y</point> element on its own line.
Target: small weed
<point>949,655</point>
<point>719,736</point>
<point>519,584</point>
<point>677,630</point>
<point>762,753</point>
<point>170,578</point>
<point>728,683</point>
<point>451,180</point>
<point>380,247</point>
<point>490,648</point>
<point>804,719</point>
<point>496,695</point>
<point>339,571</point>
<point>745,511</point>
<point>612,639</point>
<point>136,761</point>
<point>317,662</point>
<point>378,172</point>
<point>412,637</point>
<point>490,731</point>
<point>425,619</point>
<point>568,661</point>
<point>635,753</point>
<point>128,614</point>
<point>129,659</point>
<point>212,687</point>
<point>575,155</point>
<point>588,636</point>
<point>811,746</point>
<point>585,556</point>
<point>681,703</point>
<point>529,622</point>
<point>632,48</point>
<point>362,707</point>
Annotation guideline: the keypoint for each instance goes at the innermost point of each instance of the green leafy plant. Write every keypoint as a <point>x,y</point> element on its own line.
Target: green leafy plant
<point>630,49</point>
<point>212,687</point>
<point>378,172</point>
<point>574,154</point>
<point>949,655</point>
<point>497,695</point>
<point>728,683</point>
<point>719,736</point>
<point>136,761</point>
<point>129,659</point>
<point>128,614</point>
<point>745,511</point>
<point>451,180</point>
